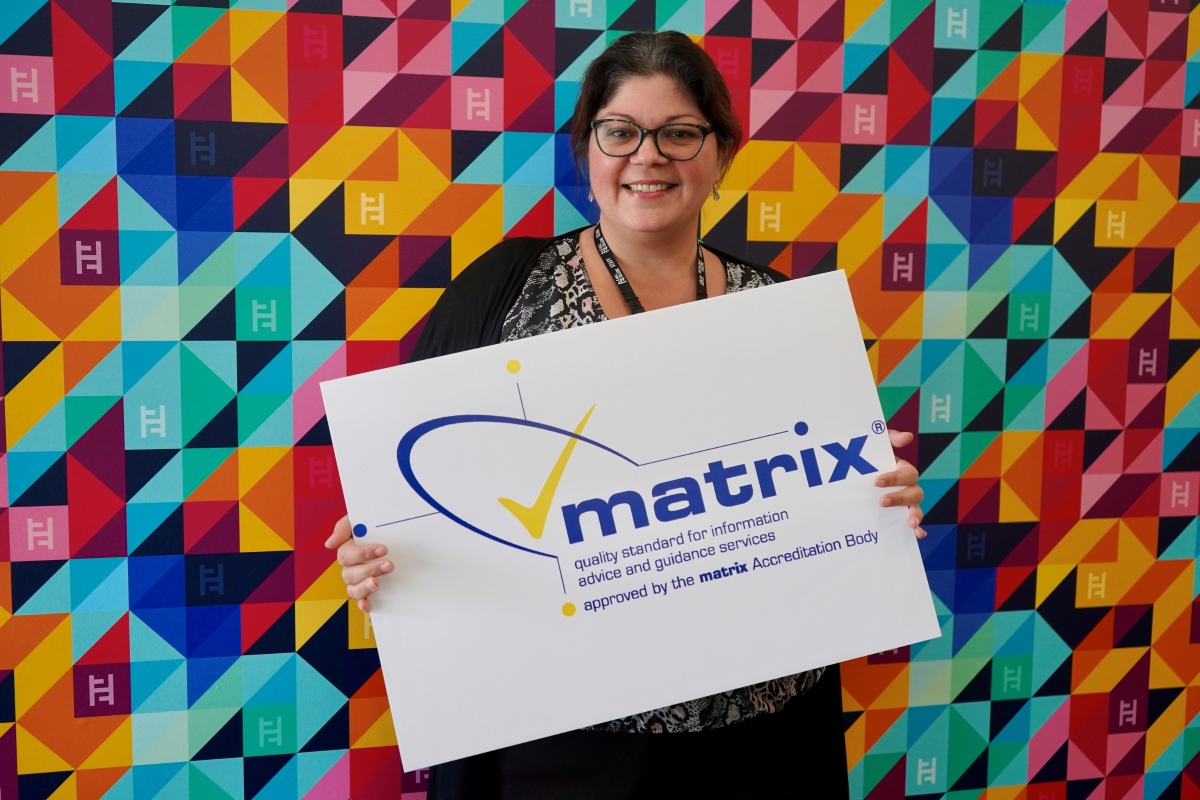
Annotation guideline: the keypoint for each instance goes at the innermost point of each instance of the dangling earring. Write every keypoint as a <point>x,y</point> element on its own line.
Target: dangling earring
<point>716,194</point>
<point>591,195</point>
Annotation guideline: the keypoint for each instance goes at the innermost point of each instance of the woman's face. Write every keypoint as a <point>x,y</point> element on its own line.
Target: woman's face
<point>646,192</point>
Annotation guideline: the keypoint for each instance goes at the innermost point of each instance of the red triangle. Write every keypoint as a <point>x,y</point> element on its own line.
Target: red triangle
<point>303,142</point>
<point>315,96</point>
<point>906,94</point>
<point>913,229</point>
<point>1120,280</point>
<point>112,647</point>
<point>214,102</point>
<point>1008,580</point>
<point>414,34</point>
<point>1026,211</point>
<point>1167,139</point>
<point>1043,183</point>
<point>533,26</point>
<point>539,116</point>
<point>91,504</point>
<point>917,129</point>
<point>786,12</point>
<point>434,112</point>
<point>520,94</point>
<point>249,194</point>
<point>811,56</point>
<point>257,619</point>
<point>97,99</point>
<point>80,60</point>
<point>996,124</point>
<point>978,500</point>
<point>1079,133</point>
<point>538,221</point>
<point>827,127</point>
<point>210,526</point>
<point>108,542</point>
<point>280,585</point>
<point>192,81</point>
<point>99,213</point>
<point>311,565</point>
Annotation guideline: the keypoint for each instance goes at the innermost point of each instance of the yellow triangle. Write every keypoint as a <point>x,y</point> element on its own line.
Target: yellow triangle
<point>20,324</point>
<point>755,158</point>
<point>715,210</point>
<point>381,734</point>
<point>857,12</point>
<point>1015,444</point>
<point>312,614</point>
<point>33,756</point>
<point>248,105</point>
<point>896,694</point>
<point>343,153</point>
<point>305,194</point>
<point>102,325</point>
<point>909,324</point>
<point>422,180</point>
<point>328,587</point>
<point>1049,576</point>
<point>1012,508</point>
<point>457,7</point>
<point>34,397</point>
<point>1181,388</point>
<point>1067,212</point>
<point>403,309</point>
<point>1030,135</point>
<point>116,751</point>
<point>67,791</point>
<point>254,463</point>
<point>1108,673</point>
<point>27,229</point>
<point>862,240</point>
<point>360,633</point>
<point>247,27</point>
<point>254,535</point>
<point>478,234</point>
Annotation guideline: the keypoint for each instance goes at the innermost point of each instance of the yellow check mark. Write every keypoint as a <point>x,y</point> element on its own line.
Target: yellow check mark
<point>534,517</point>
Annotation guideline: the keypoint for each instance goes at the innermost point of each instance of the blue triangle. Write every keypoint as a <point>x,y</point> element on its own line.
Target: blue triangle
<point>275,377</point>
<point>88,575</point>
<point>25,468</point>
<point>145,644</point>
<point>145,146</point>
<point>269,680</point>
<point>158,192</point>
<point>567,215</point>
<point>204,672</point>
<point>169,623</point>
<point>466,38</point>
<point>267,259</point>
<point>520,147</point>
<point>76,133</point>
<point>195,247</point>
<point>138,358</point>
<point>97,155</point>
<point>142,519</point>
<point>934,353</point>
<point>855,60</point>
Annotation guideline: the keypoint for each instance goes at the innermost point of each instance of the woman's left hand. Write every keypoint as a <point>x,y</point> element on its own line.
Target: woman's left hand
<point>905,476</point>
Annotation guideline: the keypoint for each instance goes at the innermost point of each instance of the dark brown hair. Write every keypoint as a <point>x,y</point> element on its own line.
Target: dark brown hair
<point>668,53</point>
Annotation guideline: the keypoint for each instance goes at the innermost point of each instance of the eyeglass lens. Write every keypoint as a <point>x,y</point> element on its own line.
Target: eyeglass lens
<point>618,138</point>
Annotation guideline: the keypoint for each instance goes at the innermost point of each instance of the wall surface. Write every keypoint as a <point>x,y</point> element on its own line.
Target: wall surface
<point>207,210</point>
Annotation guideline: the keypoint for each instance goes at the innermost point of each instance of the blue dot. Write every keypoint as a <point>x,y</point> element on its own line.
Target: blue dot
<point>801,428</point>
<point>360,530</point>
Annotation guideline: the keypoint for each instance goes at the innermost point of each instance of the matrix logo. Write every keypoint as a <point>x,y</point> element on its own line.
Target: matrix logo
<point>709,484</point>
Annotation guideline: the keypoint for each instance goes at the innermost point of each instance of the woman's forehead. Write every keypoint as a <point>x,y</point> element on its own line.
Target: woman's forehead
<point>656,95</point>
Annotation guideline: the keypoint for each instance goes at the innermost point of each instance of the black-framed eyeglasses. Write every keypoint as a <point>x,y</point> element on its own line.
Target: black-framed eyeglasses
<point>678,141</point>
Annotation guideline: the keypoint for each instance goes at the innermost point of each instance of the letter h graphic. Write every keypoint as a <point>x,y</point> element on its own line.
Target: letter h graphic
<point>262,315</point>
<point>370,207</point>
<point>956,23</point>
<point>24,84</point>
<point>993,173</point>
<point>769,217</point>
<point>316,41</point>
<point>902,267</point>
<point>212,580</point>
<point>90,257</point>
<point>39,534</point>
<point>926,771</point>
<point>939,407</point>
<point>202,148</point>
<point>100,690</point>
<point>1148,362</point>
<point>270,732</point>
<point>479,103</point>
<point>154,423</point>
<point>320,471</point>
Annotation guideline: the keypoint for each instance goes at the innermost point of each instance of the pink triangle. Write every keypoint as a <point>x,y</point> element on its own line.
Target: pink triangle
<point>1111,460</point>
<point>1113,120</point>
<point>1137,397</point>
<point>1097,416</point>
<point>763,105</point>
<point>366,8</point>
<point>766,23</point>
<point>1119,45</point>
<point>1160,28</point>
<point>307,405</point>
<point>1049,738</point>
<point>381,55</point>
<point>1093,488</point>
<point>811,12</point>
<point>1081,15</point>
<point>1170,95</point>
<point>781,75</point>
<point>714,11</point>
<point>434,58</point>
<point>334,783</point>
<point>1150,460</point>
<point>828,77</point>
<point>360,88</point>
<point>1119,745</point>
<point>1066,384</point>
<point>1132,92</point>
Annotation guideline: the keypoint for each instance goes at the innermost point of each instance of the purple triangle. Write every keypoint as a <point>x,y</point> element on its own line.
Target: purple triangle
<point>95,18</point>
<point>533,25</point>
<point>415,251</point>
<point>108,542</point>
<point>102,449</point>
<point>795,116</point>
<point>830,27</point>
<point>271,161</point>
<point>539,116</point>
<point>914,46</point>
<point>221,537</point>
<point>96,99</point>
<point>395,102</point>
<point>279,587</point>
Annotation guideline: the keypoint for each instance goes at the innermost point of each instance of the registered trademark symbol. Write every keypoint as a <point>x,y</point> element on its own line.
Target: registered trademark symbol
<point>878,426</point>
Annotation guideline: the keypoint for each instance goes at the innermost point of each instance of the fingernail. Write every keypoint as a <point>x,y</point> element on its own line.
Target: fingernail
<point>378,552</point>
<point>371,584</point>
<point>887,501</point>
<point>385,567</point>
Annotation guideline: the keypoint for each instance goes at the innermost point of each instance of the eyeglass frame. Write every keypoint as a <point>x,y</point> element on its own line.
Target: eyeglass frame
<point>705,130</point>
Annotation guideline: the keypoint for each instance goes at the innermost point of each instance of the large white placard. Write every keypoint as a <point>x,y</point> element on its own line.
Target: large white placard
<point>615,518</point>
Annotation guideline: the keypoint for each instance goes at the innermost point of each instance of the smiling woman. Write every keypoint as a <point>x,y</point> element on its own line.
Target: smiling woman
<point>654,130</point>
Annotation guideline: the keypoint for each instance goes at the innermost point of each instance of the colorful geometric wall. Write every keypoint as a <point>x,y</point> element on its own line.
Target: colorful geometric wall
<point>209,206</point>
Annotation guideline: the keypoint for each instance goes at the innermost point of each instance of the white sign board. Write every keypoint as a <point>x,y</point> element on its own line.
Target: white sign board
<point>619,517</point>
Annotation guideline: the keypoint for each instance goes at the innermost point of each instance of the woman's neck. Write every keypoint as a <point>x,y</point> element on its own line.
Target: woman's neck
<point>652,256</point>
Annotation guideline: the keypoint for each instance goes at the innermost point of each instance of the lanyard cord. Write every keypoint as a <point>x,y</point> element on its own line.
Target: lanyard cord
<point>631,299</point>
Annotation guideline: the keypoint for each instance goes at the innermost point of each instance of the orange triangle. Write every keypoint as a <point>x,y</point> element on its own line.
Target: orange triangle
<point>92,784</point>
<point>1126,186</point>
<point>1007,85</point>
<point>374,687</point>
<point>1120,280</point>
<point>1105,550</point>
<point>20,635</point>
<point>382,165</point>
<point>1024,477</point>
<point>365,712</point>
<point>435,144</point>
<point>1043,102</point>
<point>892,352</point>
<point>453,207</point>
<point>879,722</point>
<point>866,682</point>
<point>383,272</point>
<point>987,465</point>
<point>362,303</point>
<point>37,285</point>
<point>52,721</point>
<point>778,177</point>
<point>222,484</point>
<point>19,187</point>
<point>264,66</point>
<point>212,47</point>
<point>112,647</point>
<point>1100,639</point>
<point>271,499</point>
<point>826,157</point>
<point>80,358</point>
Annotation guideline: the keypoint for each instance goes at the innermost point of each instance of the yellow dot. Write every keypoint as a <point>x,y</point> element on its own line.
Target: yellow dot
<point>568,609</point>
<point>513,366</point>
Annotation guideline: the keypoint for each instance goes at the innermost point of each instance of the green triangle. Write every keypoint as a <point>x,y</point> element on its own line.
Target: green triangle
<point>83,412</point>
<point>511,7</point>
<point>876,766</point>
<point>204,394</point>
<point>973,444</point>
<point>980,383</point>
<point>904,12</point>
<point>665,9</point>
<point>615,8</point>
<point>202,787</point>
<point>993,14</point>
<point>968,744</point>
<point>188,23</point>
<point>1016,399</point>
<point>893,397</point>
<point>254,410</point>
<point>991,64</point>
<point>201,462</point>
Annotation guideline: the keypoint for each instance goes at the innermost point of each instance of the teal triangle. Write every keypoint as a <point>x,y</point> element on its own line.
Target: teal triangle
<point>131,78</point>
<point>149,258</point>
<point>93,573</point>
<point>87,627</point>
<point>138,358</point>
<point>38,154</point>
<point>1032,417</point>
<point>897,207</point>
<point>312,767</point>
<point>275,431</point>
<point>518,200</point>
<point>1184,546</point>
<point>75,134</point>
<point>258,671</point>
<point>142,519</point>
<point>934,353</point>
<point>310,356</point>
<point>146,645</point>
<point>25,468</point>
<point>870,179</point>
<point>261,259</point>
<point>313,287</point>
<point>566,216</point>
<point>275,377</point>
<point>75,189</point>
<point>154,43</point>
<point>54,596</point>
<point>48,433</point>
<point>135,213</point>
<point>166,486</point>
<point>97,155</point>
<point>856,57</point>
<point>467,37</point>
<point>876,30</point>
<point>945,112</point>
<point>219,357</point>
<point>321,701</point>
<point>227,774</point>
<point>519,148</point>
<point>488,166</point>
<point>688,19</point>
<point>159,685</point>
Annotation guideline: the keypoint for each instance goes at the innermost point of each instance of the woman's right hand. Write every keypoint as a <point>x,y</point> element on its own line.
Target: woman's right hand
<point>362,564</point>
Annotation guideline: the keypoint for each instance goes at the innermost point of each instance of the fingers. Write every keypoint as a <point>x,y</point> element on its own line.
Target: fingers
<point>341,534</point>
<point>361,574</point>
<point>905,474</point>
<point>899,438</point>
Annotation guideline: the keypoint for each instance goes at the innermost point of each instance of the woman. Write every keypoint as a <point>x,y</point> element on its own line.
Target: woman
<point>654,127</point>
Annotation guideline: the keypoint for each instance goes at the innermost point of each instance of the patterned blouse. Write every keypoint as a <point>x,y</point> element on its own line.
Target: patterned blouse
<point>559,295</point>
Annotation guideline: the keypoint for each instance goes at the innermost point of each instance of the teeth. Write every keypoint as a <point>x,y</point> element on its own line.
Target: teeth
<point>649,187</point>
